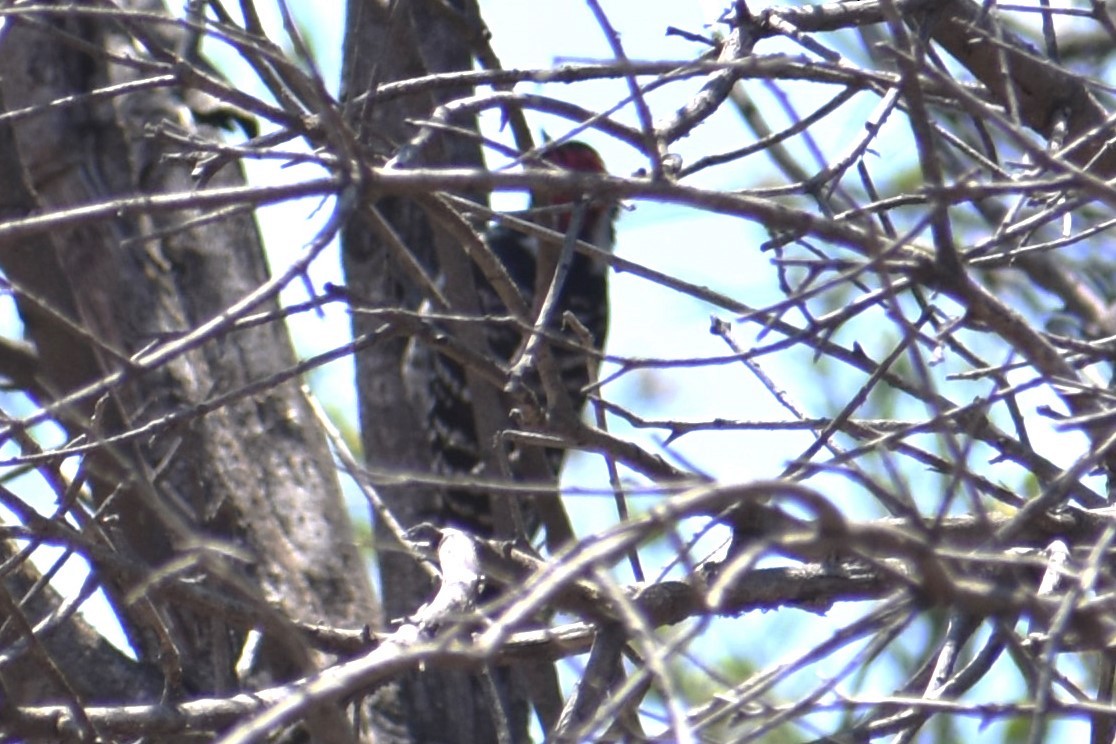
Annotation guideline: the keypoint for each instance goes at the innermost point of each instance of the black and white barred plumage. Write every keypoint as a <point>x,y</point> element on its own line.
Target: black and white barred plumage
<point>446,398</point>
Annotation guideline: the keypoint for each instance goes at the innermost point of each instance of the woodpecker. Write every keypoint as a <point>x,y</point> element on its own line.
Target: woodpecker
<point>448,402</point>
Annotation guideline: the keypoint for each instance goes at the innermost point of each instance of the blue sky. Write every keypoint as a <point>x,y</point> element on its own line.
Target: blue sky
<point>648,321</point>
<point>706,249</point>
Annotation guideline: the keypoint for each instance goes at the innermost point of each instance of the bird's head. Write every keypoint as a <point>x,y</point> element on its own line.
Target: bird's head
<point>556,209</point>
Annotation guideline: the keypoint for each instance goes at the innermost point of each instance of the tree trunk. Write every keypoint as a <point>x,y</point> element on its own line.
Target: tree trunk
<point>388,42</point>
<point>239,497</point>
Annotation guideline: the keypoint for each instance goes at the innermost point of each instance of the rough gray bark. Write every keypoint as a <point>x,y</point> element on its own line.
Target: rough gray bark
<point>391,42</point>
<point>243,499</point>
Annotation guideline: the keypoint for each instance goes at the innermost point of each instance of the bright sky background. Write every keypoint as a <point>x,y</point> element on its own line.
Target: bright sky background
<point>647,320</point>
<point>706,249</point>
